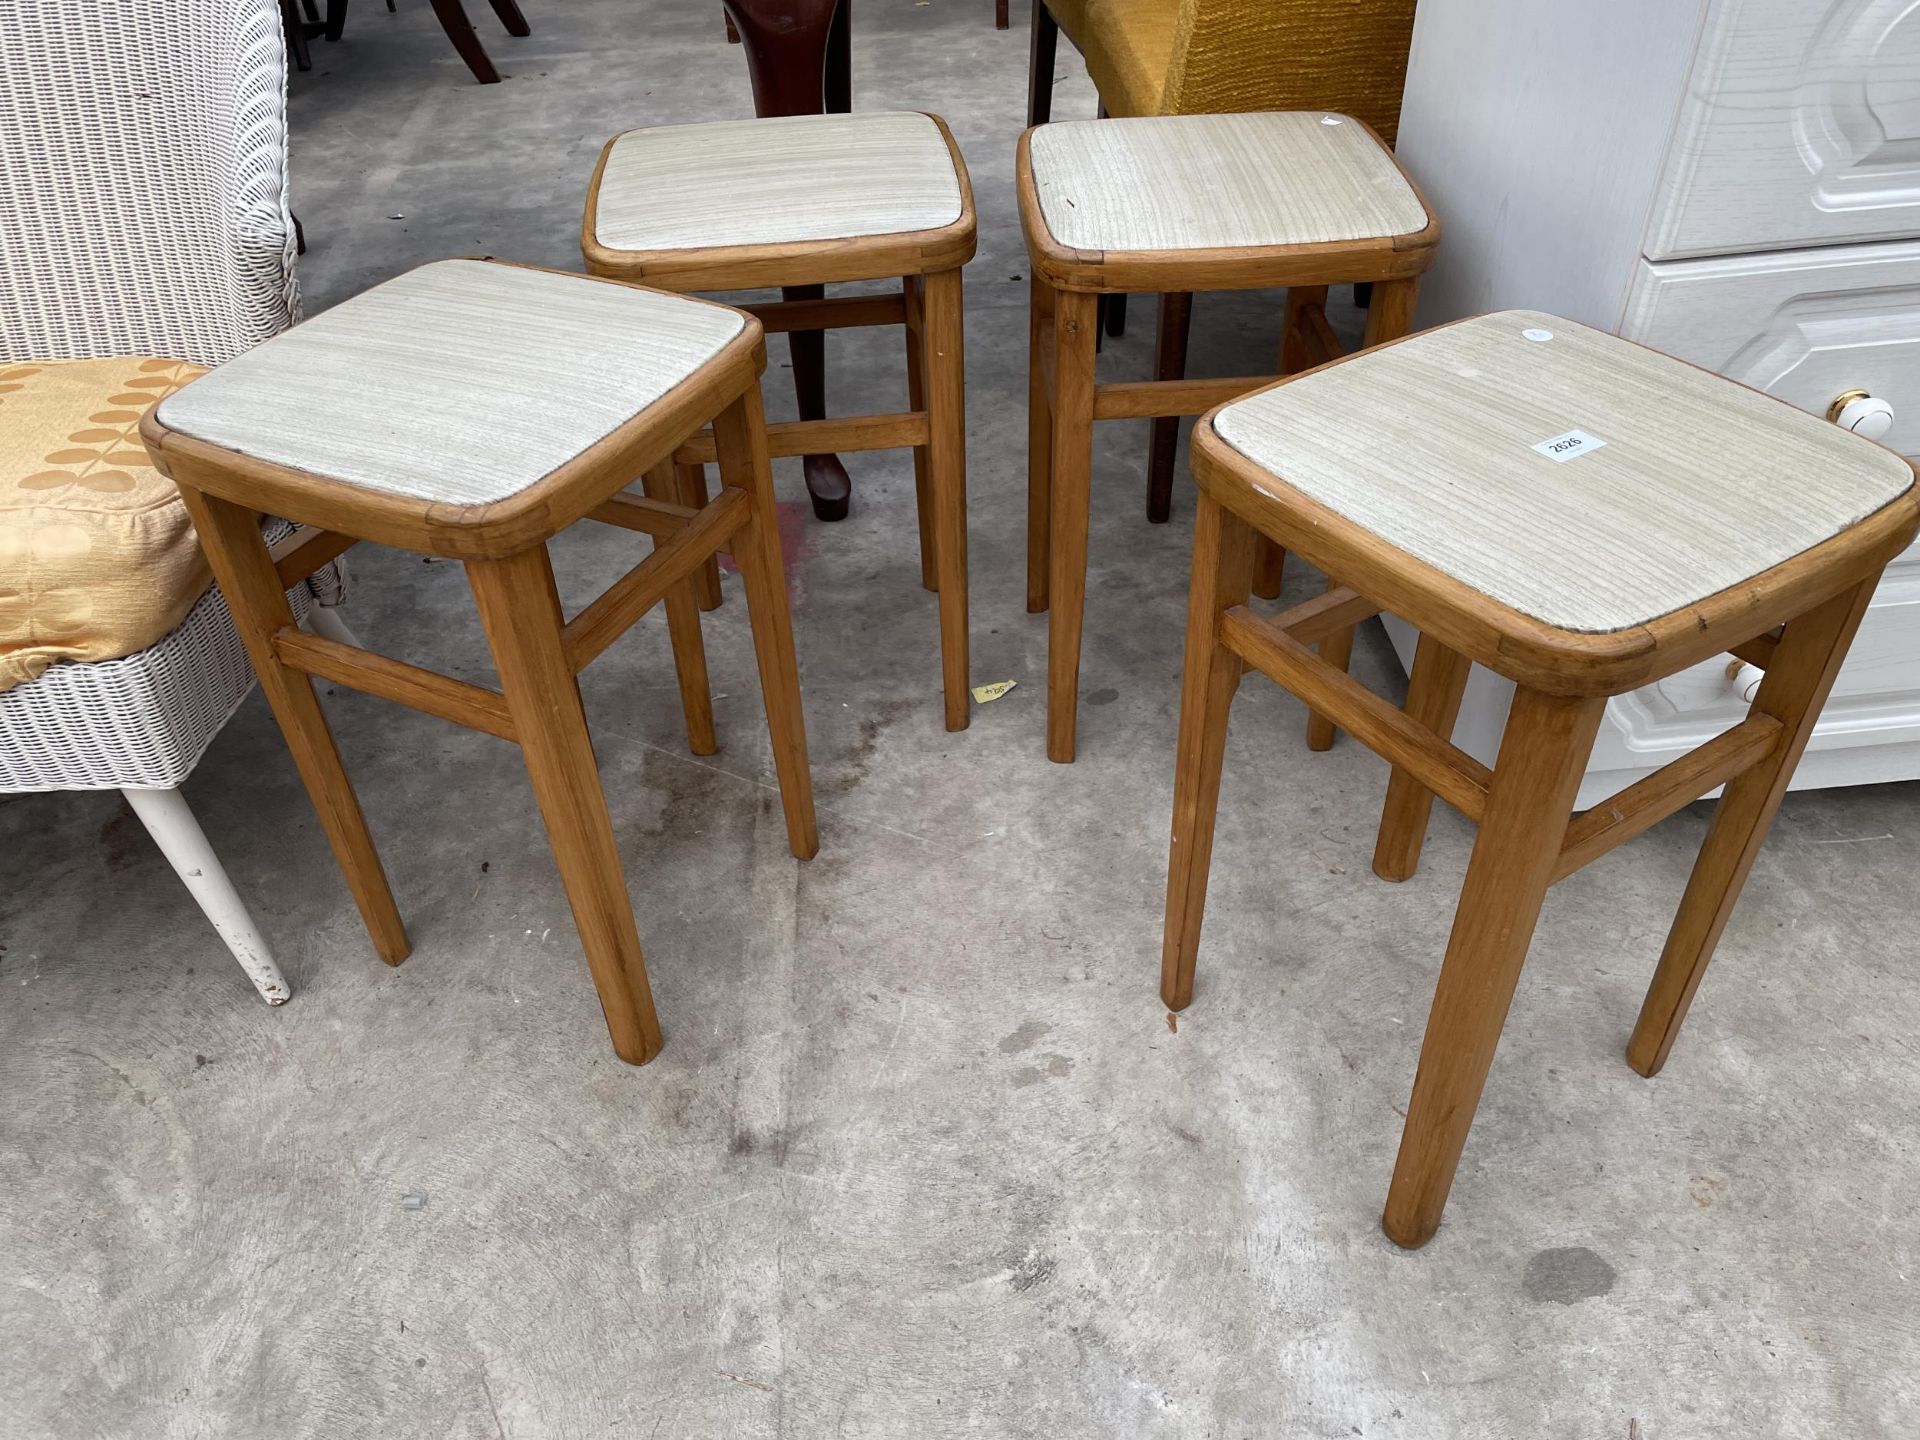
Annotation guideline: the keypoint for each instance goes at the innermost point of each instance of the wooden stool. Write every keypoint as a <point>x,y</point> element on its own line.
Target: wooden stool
<point>800,202</point>
<point>473,410</point>
<point>1583,516</point>
<point>1182,203</point>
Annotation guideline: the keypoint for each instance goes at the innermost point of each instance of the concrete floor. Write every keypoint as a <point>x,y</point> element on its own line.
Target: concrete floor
<point>922,1156</point>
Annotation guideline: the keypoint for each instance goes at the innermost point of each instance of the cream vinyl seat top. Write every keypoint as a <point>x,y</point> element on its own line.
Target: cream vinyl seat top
<point>1580,479</point>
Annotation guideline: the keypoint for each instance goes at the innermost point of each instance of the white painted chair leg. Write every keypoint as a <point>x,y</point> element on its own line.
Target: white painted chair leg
<point>325,621</point>
<point>178,834</point>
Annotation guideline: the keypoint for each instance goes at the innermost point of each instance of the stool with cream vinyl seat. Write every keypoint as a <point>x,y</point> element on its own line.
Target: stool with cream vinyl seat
<point>1580,515</point>
<point>1177,204</point>
<point>801,202</point>
<point>472,410</point>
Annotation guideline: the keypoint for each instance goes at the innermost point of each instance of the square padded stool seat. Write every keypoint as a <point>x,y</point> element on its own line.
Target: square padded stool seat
<point>1146,200</point>
<point>480,400</point>
<point>808,199</point>
<point>1578,485</point>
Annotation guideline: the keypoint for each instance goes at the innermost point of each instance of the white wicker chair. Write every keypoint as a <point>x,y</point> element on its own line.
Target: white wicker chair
<point>143,211</point>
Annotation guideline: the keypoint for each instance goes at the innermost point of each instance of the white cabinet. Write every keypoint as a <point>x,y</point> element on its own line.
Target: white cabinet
<point>1735,182</point>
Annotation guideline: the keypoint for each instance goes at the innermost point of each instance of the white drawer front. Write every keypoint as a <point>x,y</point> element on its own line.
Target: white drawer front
<point>1807,326</point>
<point>1801,126</point>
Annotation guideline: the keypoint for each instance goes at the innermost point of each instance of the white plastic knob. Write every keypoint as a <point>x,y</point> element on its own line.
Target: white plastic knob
<point>1866,415</point>
<point>1746,679</point>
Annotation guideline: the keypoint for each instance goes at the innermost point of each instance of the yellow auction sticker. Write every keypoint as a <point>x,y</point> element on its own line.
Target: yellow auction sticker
<point>984,693</point>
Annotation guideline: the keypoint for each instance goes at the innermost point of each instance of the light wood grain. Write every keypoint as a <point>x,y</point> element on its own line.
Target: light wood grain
<point>230,536</point>
<point>1811,652</point>
<point>1222,580</point>
<point>1434,688</point>
<point>740,431</point>
<point>943,366</point>
<point>683,632</point>
<point>1070,480</point>
<point>520,611</point>
<point>1528,807</point>
<point>474,706</point>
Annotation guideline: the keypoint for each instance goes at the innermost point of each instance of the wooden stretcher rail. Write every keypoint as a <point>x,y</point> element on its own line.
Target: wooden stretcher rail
<point>1336,609</point>
<point>1759,650</point>
<point>1318,333</point>
<point>901,430</point>
<point>658,518</point>
<point>305,551</point>
<point>641,588</point>
<point>1648,801</point>
<point>848,313</point>
<point>1448,772</point>
<point>474,706</point>
<point>1150,399</point>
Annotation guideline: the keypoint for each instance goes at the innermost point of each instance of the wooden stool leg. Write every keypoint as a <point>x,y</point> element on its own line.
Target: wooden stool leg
<point>1222,575</point>
<point>1389,318</point>
<point>683,629</point>
<point>1169,363</point>
<point>740,437</point>
<point>943,332</point>
<point>1542,758</point>
<point>1798,678</point>
<point>1337,651</point>
<point>692,484</point>
<point>230,536</point>
<point>1434,689</point>
<point>520,611</point>
<point>1270,560</point>
<point>1269,568</point>
<point>1076,323</point>
<point>917,400</point>
<point>1039,442</point>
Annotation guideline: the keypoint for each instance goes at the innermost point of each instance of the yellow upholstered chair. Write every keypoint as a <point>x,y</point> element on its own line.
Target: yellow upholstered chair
<point>1195,57</point>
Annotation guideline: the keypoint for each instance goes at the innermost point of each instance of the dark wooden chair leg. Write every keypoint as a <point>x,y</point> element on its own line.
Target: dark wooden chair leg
<point>1040,61</point>
<point>1001,19</point>
<point>1115,321</point>
<point>336,19</point>
<point>799,59</point>
<point>296,32</point>
<point>511,18</point>
<point>452,16</point>
<point>1170,363</point>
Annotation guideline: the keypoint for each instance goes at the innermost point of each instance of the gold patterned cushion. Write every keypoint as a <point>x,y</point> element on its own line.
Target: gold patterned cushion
<point>1128,45</point>
<point>97,556</point>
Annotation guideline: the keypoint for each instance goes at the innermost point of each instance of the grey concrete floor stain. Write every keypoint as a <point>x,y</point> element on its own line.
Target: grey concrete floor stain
<point>1566,1274</point>
<point>828,1209</point>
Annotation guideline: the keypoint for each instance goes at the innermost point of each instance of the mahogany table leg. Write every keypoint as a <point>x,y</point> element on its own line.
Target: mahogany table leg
<point>799,56</point>
<point>511,18</point>
<point>453,19</point>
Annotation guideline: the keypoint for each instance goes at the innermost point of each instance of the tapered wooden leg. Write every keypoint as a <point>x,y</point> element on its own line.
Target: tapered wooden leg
<point>1076,322</point>
<point>740,437</point>
<point>683,629</point>
<point>691,481</point>
<point>917,400</point>
<point>1169,363</point>
<point>1039,445</point>
<point>1536,777</point>
<point>1389,318</point>
<point>1222,576</point>
<point>1434,688</point>
<point>1001,16</point>
<point>945,368</point>
<point>1270,562</point>
<point>1798,679</point>
<point>1337,651</point>
<point>230,536</point>
<point>520,611</point>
